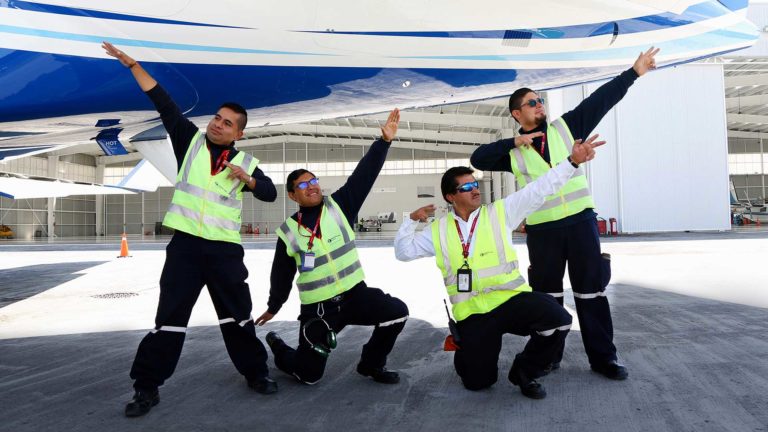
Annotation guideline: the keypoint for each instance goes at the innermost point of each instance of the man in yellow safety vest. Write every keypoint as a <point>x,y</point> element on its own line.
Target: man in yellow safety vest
<point>319,242</point>
<point>205,213</point>
<point>473,249</point>
<point>564,228</point>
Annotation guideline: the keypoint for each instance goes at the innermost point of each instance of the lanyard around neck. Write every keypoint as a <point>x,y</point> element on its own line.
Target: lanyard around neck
<point>314,230</point>
<point>465,246</point>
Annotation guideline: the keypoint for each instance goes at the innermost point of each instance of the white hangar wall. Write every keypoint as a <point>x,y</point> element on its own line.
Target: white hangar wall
<point>665,167</point>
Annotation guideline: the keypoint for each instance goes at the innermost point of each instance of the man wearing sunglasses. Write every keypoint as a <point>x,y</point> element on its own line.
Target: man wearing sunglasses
<point>489,296</point>
<point>319,242</point>
<point>205,213</point>
<point>564,228</point>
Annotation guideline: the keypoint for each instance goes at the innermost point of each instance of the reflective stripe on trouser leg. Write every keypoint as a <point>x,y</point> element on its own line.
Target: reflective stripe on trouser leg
<point>169,329</point>
<point>550,332</point>
<point>394,321</point>
<point>231,320</point>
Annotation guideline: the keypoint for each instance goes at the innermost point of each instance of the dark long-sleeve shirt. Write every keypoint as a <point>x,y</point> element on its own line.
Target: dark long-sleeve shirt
<point>181,131</point>
<point>581,121</point>
<point>350,197</point>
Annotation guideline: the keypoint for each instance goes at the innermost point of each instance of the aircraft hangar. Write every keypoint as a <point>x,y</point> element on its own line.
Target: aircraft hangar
<point>681,182</point>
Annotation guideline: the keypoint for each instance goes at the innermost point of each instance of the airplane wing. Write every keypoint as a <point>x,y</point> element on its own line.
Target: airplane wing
<point>16,186</point>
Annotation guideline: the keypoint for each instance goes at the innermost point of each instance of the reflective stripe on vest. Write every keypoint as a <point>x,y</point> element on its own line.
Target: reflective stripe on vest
<point>495,273</point>
<point>204,205</point>
<point>528,165</point>
<point>337,267</point>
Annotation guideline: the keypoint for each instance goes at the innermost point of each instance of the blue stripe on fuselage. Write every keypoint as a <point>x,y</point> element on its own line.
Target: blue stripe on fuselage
<point>140,43</point>
<point>89,13</point>
<point>696,13</point>
<point>40,85</point>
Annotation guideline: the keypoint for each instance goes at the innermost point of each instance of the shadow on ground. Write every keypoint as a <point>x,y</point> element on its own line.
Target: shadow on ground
<point>23,282</point>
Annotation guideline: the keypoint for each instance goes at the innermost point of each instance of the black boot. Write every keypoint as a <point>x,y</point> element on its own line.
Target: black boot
<point>381,375</point>
<point>274,341</point>
<point>612,370</point>
<point>529,387</point>
<point>264,385</point>
<point>142,402</point>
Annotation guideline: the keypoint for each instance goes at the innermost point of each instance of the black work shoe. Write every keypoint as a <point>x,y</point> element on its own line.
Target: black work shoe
<point>612,370</point>
<point>381,375</point>
<point>273,340</point>
<point>142,402</point>
<point>529,387</point>
<point>264,385</point>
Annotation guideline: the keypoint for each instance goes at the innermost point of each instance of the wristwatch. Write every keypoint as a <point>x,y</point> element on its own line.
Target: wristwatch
<point>575,165</point>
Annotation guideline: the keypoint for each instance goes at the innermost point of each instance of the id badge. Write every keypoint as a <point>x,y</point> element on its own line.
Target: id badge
<point>308,261</point>
<point>465,279</point>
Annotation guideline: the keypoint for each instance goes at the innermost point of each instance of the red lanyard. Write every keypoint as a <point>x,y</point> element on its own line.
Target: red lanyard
<point>314,230</point>
<point>219,167</point>
<point>543,144</point>
<point>465,246</point>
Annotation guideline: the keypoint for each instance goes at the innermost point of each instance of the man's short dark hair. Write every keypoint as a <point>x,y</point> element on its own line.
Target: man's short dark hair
<point>243,119</point>
<point>293,176</point>
<point>516,100</point>
<point>448,183</point>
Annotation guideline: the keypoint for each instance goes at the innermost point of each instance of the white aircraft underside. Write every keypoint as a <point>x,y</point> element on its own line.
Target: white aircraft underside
<point>298,60</point>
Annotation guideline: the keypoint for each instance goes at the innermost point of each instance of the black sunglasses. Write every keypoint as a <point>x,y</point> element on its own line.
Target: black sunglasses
<point>532,102</point>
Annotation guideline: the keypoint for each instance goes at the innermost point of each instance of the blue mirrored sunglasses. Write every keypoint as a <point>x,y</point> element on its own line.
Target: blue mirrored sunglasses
<point>467,187</point>
<point>532,102</point>
<point>305,184</point>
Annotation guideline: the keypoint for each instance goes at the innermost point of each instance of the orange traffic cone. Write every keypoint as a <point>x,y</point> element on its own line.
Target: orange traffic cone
<point>124,247</point>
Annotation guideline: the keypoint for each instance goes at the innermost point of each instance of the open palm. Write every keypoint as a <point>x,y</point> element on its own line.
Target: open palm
<point>389,130</point>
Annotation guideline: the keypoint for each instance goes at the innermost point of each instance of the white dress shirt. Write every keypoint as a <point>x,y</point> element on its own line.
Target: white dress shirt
<point>410,244</point>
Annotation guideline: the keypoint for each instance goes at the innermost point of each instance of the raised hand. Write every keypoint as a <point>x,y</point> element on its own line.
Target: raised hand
<point>423,213</point>
<point>145,81</point>
<point>389,130</point>
<point>584,152</point>
<point>124,58</point>
<point>645,61</point>
<point>526,140</point>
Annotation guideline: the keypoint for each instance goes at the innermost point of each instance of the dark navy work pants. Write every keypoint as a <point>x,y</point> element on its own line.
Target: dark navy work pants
<point>578,245</point>
<point>361,305</point>
<point>192,262</point>
<point>527,314</point>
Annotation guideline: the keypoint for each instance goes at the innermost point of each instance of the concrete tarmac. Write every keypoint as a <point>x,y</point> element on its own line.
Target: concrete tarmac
<point>690,314</point>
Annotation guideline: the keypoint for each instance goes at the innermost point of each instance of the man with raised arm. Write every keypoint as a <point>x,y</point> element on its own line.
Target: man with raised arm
<point>473,249</point>
<point>318,241</point>
<point>564,229</point>
<point>205,249</point>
